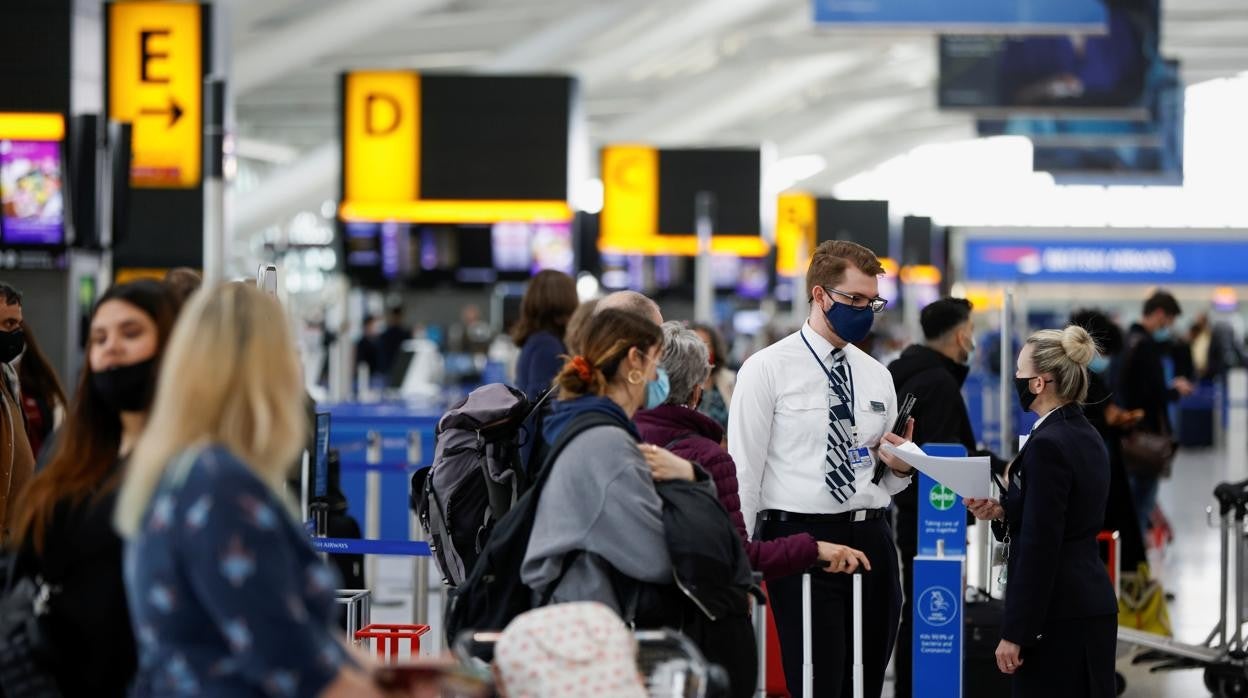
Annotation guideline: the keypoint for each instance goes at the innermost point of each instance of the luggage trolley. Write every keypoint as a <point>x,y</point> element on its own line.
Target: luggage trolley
<point>1224,654</point>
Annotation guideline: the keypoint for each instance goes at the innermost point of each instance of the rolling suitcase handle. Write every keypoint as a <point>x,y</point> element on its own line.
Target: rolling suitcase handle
<point>808,665</point>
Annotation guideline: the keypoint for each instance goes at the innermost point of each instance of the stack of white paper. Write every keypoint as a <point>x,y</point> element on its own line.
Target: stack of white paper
<point>969,476</point>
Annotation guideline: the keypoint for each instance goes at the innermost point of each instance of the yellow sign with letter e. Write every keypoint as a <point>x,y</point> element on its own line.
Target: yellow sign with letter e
<point>155,82</point>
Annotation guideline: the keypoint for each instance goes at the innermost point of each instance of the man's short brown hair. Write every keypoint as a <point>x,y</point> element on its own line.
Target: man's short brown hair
<point>832,258</point>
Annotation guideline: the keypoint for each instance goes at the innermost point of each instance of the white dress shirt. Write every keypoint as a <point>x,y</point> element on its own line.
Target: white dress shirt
<point>778,428</point>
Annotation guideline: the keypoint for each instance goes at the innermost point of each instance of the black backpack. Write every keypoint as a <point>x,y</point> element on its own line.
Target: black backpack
<point>476,475</point>
<point>493,594</point>
<point>712,572</point>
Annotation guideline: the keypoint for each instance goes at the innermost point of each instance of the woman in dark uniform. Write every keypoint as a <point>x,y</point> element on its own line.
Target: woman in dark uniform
<point>1060,628</point>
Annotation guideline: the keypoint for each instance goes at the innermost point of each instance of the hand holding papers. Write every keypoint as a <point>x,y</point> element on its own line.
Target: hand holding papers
<point>969,476</point>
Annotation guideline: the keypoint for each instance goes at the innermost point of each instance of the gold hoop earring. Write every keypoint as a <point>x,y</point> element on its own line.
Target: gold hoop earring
<point>635,377</point>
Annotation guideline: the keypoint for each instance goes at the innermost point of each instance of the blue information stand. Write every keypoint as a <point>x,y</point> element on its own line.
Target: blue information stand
<point>937,596</point>
<point>938,626</point>
<point>942,515</point>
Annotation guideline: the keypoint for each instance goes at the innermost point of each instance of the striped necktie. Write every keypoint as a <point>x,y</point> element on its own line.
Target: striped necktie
<point>840,471</point>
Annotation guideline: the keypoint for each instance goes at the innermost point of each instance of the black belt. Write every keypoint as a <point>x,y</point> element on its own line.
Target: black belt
<point>845,517</point>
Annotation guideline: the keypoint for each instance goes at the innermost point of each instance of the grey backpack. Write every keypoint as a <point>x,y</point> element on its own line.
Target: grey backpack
<point>475,477</point>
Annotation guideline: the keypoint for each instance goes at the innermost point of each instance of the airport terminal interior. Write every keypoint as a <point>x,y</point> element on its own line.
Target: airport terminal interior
<point>335,285</point>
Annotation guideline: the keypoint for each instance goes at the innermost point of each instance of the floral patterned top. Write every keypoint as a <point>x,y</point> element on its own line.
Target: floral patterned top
<point>226,594</point>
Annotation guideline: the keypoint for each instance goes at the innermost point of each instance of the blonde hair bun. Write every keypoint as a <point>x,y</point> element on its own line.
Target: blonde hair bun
<point>1078,345</point>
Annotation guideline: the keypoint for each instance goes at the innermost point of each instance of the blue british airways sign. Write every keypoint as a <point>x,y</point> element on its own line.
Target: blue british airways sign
<point>1107,261</point>
<point>1012,16</point>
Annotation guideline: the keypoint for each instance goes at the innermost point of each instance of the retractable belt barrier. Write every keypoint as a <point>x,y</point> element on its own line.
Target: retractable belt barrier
<point>356,546</point>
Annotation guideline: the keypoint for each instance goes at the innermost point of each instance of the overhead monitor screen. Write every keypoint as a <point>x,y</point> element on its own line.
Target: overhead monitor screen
<point>512,252</point>
<point>494,137</point>
<point>552,248</point>
<point>863,222</point>
<point>1108,151</point>
<point>1047,73</point>
<point>32,195</point>
<point>754,281</point>
<point>733,177</point>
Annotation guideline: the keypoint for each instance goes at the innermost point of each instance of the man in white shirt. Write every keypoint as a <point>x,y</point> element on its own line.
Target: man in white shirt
<point>807,418</point>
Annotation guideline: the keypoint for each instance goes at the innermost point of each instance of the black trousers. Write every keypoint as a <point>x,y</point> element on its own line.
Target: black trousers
<point>907,545</point>
<point>832,598</point>
<point>1075,660</point>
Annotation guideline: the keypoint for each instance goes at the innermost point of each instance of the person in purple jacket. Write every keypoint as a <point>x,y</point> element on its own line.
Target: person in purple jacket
<point>680,428</point>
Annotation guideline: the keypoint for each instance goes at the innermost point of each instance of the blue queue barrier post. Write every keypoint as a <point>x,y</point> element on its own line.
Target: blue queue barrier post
<point>380,445</point>
<point>937,596</point>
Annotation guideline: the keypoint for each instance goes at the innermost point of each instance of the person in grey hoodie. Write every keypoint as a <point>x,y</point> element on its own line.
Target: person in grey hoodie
<point>599,519</point>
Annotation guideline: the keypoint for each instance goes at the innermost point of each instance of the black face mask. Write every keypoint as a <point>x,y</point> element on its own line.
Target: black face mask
<point>126,388</point>
<point>12,344</point>
<point>1025,397</point>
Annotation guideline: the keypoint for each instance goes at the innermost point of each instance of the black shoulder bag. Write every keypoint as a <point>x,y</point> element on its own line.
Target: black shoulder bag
<point>26,652</point>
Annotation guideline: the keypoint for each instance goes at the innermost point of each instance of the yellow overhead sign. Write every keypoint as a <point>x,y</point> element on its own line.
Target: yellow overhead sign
<point>795,224</point>
<point>32,126</point>
<point>630,211</point>
<point>381,115</point>
<point>155,82</point>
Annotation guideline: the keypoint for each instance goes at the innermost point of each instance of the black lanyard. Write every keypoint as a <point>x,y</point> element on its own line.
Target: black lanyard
<point>836,383</point>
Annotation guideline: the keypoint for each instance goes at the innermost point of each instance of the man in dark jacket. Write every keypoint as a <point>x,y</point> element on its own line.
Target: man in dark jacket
<point>934,373</point>
<point>1149,382</point>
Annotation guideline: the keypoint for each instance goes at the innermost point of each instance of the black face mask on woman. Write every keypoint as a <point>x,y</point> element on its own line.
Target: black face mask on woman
<point>1026,398</point>
<point>126,388</point>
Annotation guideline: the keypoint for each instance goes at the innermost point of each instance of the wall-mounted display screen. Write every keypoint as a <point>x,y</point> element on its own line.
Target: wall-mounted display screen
<point>32,193</point>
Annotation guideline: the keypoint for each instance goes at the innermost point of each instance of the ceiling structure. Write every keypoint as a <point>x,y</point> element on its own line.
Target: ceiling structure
<point>668,72</point>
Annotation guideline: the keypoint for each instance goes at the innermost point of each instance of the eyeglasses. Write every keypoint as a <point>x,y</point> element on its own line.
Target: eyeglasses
<point>876,304</point>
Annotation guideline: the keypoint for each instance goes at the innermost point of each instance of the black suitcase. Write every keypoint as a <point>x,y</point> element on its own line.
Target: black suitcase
<point>980,676</point>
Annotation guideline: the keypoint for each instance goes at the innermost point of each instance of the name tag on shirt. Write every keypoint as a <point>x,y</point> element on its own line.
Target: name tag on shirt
<point>877,407</point>
<point>860,459</point>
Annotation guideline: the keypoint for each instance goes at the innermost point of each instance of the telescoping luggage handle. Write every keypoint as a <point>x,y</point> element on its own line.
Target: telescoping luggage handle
<point>808,664</point>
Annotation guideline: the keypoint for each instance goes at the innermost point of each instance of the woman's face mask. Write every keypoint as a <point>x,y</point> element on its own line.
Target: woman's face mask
<point>658,389</point>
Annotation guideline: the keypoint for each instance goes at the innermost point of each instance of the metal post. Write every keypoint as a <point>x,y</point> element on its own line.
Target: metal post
<point>704,291</point>
<point>1228,531</point>
<point>801,302</point>
<point>1241,551</point>
<point>859,669</point>
<point>760,632</point>
<point>214,180</point>
<point>372,502</point>
<point>420,566</point>
<point>303,489</point>
<point>808,662</point>
<point>1008,443</point>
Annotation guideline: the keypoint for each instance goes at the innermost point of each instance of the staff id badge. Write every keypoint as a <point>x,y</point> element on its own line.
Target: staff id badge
<point>860,459</point>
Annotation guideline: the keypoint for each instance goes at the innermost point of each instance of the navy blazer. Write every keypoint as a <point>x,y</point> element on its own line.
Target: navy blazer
<point>1055,507</point>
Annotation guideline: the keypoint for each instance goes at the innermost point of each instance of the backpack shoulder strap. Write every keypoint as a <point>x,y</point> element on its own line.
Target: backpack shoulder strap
<point>583,423</point>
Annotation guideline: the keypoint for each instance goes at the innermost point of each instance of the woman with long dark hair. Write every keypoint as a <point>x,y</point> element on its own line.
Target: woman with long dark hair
<point>43,398</point>
<point>548,304</point>
<point>64,526</point>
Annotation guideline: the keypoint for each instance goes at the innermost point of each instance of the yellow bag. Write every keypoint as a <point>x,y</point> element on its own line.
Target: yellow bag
<point>1142,603</point>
